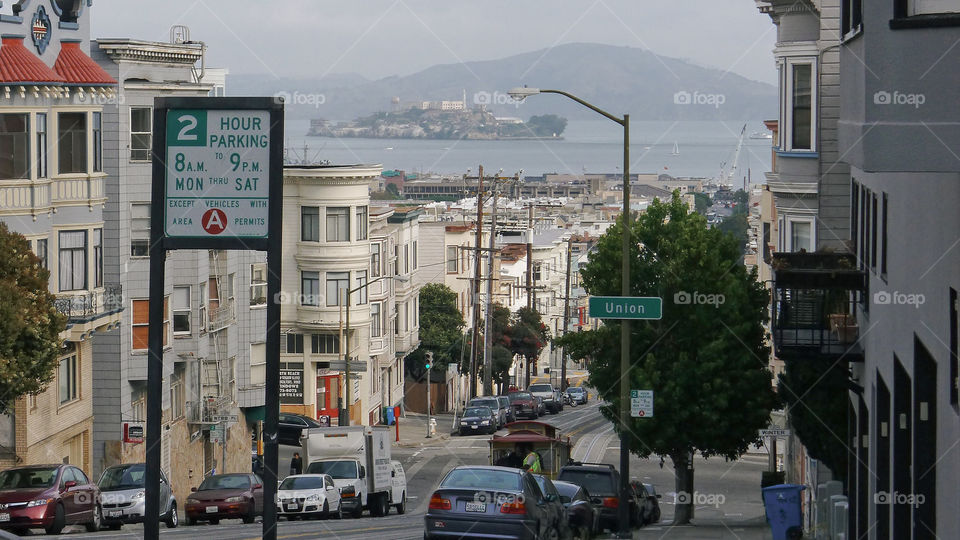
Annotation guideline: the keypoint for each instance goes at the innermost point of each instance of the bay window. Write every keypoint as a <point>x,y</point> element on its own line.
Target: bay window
<point>798,88</point>
<point>72,142</point>
<point>14,142</point>
<point>73,260</point>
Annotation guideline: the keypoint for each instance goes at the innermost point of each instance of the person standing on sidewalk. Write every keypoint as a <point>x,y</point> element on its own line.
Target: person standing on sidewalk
<point>296,464</point>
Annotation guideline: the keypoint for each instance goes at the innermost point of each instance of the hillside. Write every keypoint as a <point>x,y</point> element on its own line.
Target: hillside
<point>619,79</point>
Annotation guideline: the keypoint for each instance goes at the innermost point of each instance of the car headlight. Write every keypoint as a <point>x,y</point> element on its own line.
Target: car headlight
<point>138,495</point>
<point>485,423</point>
<point>313,497</point>
<point>38,502</point>
<point>234,499</point>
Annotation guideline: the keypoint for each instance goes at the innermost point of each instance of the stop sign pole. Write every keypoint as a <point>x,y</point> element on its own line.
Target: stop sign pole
<point>217,184</point>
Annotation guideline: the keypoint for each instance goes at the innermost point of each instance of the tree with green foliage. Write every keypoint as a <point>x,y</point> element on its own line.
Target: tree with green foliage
<point>702,202</point>
<point>528,336</point>
<point>705,360</point>
<point>30,324</point>
<point>736,226</point>
<point>441,327</point>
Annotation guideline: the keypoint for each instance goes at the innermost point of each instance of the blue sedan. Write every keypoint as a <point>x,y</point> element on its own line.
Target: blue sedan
<point>488,502</point>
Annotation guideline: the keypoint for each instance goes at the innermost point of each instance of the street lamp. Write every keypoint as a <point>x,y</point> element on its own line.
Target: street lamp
<point>345,340</point>
<point>519,94</point>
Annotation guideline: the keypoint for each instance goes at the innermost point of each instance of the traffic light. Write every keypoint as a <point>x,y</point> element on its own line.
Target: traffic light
<point>429,360</point>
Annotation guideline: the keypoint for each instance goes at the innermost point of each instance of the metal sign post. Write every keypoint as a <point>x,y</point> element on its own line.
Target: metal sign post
<point>217,184</point>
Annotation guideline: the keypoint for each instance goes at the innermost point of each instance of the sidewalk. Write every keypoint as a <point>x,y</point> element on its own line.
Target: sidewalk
<point>413,429</point>
<point>700,529</point>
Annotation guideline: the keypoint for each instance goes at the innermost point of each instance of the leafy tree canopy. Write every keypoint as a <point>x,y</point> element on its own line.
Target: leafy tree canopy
<point>441,327</point>
<point>705,360</point>
<point>30,324</point>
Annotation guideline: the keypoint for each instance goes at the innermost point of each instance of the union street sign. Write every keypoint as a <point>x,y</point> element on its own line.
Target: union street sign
<point>217,173</point>
<point>626,307</point>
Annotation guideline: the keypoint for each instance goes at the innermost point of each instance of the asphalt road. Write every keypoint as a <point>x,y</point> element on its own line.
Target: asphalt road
<point>729,492</point>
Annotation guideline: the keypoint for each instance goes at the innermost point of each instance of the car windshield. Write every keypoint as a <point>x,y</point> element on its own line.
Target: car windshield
<point>596,483</point>
<point>575,390</point>
<point>226,481</point>
<point>492,403</point>
<point>336,469</point>
<point>302,482</point>
<point>477,411</point>
<point>28,478</point>
<point>540,388</point>
<point>520,395</point>
<point>491,479</point>
<point>123,477</point>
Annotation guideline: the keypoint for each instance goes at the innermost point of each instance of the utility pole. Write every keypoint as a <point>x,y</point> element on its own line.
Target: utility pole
<point>474,345</point>
<point>530,298</point>
<point>566,315</point>
<point>488,324</point>
<point>429,384</point>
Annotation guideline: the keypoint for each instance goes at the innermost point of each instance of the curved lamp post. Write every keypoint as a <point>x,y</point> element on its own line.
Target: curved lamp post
<point>519,94</point>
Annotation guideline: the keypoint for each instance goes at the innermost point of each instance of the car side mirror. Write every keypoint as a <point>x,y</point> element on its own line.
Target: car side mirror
<point>258,486</point>
<point>363,472</point>
<point>69,484</point>
<point>329,488</point>
<point>659,496</point>
<point>193,490</point>
<point>551,497</point>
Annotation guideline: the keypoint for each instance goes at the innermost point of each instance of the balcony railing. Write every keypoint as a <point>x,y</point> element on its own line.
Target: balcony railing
<point>815,301</point>
<point>222,315</point>
<point>84,306</point>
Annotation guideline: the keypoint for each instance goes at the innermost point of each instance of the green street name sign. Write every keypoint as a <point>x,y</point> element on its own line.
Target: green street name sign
<point>626,307</point>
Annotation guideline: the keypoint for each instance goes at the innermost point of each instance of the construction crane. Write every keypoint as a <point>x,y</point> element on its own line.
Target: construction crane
<point>727,177</point>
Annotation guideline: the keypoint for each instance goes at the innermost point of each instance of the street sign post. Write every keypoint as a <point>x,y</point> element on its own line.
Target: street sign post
<point>641,403</point>
<point>774,432</point>
<point>626,307</point>
<point>226,418</point>
<point>217,185</point>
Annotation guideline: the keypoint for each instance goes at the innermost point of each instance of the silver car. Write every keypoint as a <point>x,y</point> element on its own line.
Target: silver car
<point>122,496</point>
<point>494,404</point>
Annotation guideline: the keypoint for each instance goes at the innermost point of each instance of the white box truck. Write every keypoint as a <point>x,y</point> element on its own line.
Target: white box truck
<point>358,459</point>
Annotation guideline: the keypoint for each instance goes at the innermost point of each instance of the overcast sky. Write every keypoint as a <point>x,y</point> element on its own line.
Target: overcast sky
<point>378,38</point>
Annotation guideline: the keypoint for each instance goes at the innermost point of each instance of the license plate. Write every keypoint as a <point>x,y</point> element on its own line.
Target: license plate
<point>212,509</point>
<point>476,507</point>
<point>115,513</point>
<point>293,506</point>
<point>473,427</point>
<point>4,517</point>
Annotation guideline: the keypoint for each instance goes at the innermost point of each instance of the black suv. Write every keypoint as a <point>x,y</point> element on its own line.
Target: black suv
<point>602,481</point>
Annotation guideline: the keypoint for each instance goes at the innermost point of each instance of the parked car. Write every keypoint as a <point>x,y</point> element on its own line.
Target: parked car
<point>505,405</point>
<point>494,405</point>
<point>653,516</point>
<point>581,515</point>
<point>122,496</point>
<point>226,496</point>
<point>554,506</point>
<point>307,496</point>
<point>546,392</point>
<point>501,502</point>
<point>398,483</point>
<point>578,395</point>
<point>523,404</point>
<point>477,420</point>
<point>603,483</point>
<point>644,502</point>
<point>48,497</point>
<point>291,425</point>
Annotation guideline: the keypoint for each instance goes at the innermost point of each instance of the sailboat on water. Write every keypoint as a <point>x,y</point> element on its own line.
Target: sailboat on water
<point>676,149</point>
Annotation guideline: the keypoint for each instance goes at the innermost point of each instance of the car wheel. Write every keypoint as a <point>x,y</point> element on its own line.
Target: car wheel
<point>552,534</point>
<point>340,510</point>
<point>190,521</point>
<point>402,505</point>
<point>173,518</point>
<point>59,521</point>
<point>656,516</point>
<point>215,521</point>
<point>251,513</point>
<point>358,512</point>
<point>94,524</point>
<point>112,527</point>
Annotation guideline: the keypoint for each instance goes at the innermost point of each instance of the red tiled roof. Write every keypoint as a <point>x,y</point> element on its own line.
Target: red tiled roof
<point>76,67</point>
<point>18,65</point>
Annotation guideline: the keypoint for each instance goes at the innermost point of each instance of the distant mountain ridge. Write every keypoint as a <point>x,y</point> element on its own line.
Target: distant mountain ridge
<point>619,79</point>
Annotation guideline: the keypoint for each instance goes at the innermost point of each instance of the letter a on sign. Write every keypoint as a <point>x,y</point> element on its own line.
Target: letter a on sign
<point>214,221</point>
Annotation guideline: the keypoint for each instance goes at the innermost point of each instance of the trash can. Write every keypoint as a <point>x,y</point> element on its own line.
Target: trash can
<point>391,416</point>
<point>783,506</point>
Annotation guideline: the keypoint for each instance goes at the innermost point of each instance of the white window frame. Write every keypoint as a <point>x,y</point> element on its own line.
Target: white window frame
<point>340,282</point>
<point>376,259</point>
<point>258,287</point>
<point>925,7</point>
<point>181,311</point>
<point>148,133</point>
<point>360,296</point>
<point>341,232</point>
<point>69,383</point>
<point>376,319</point>
<point>798,56</point>
<point>788,233</point>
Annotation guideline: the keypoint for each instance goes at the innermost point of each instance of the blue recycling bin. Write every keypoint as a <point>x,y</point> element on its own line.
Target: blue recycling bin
<point>784,512</point>
<point>391,418</point>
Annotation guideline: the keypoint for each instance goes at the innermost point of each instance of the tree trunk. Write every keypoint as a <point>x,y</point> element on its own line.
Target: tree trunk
<point>683,471</point>
<point>526,380</point>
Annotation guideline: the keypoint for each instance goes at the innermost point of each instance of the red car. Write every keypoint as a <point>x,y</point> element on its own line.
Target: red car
<point>48,497</point>
<point>226,496</point>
